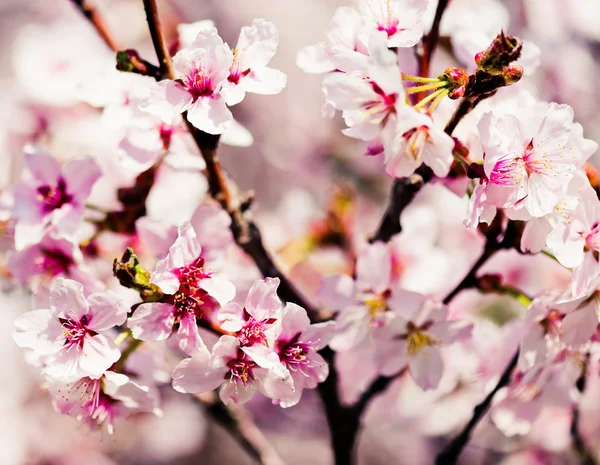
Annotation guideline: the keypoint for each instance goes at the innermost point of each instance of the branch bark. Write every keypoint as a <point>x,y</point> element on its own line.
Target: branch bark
<point>238,423</point>
<point>452,451</point>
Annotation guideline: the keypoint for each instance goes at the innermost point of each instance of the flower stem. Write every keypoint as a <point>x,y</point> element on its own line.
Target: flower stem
<point>430,97</point>
<point>130,349</point>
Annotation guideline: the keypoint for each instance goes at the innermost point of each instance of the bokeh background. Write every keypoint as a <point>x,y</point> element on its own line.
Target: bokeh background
<point>298,162</point>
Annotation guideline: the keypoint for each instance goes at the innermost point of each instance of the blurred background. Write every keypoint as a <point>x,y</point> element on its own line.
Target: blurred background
<point>300,167</point>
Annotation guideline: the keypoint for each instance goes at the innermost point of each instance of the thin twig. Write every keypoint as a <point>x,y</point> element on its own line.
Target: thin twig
<point>585,454</point>
<point>158,39</point>
<point>452,451</point>
<point>238,423</point>
<point>91,13</point>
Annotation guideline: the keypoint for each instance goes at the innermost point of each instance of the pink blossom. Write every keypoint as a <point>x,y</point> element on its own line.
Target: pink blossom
<point>51,195</point>
<point>549,385</point>
<point>297,345</point>
<point>411,138</point>
<point>74,332</point>
<point>53,256</point>
<point>362,304</point>
<point>345,48</point>
<point>201,69</point>
<point>367,103</point>
<point>529,161</point>
<point>576,240</point>
<point>253,324</point>
<point>249,72</point>
<point>401,20</point>
<point>413,336</point>
<point>191,290</point>
<point>237,370</point>
<point>99,402</point>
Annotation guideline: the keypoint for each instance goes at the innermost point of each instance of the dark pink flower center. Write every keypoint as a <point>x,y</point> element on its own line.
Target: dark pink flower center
<point>53,197</point>
<point>390,26</point>
<point>75,331</point>
<point>294,354</point>
<point>190,276</point>
<point>55,261</point>
<point>241,370</point>
<point>198,83</point>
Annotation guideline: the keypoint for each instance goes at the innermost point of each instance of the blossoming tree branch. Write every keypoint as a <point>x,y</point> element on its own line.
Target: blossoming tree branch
<point>206,298</point>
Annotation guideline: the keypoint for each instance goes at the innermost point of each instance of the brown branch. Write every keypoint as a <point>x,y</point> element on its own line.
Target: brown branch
<point>238,423</point>
<point>452,451</point>
<point>92,15</point>
<point>585,454</point>
<point>158,39</point>
<point>223,190</point>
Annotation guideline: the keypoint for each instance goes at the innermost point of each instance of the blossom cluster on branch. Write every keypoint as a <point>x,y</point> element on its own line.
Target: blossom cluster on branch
<point>144,258</point>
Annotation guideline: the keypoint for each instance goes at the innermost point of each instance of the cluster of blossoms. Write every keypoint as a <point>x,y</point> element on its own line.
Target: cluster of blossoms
<point>379,308</point>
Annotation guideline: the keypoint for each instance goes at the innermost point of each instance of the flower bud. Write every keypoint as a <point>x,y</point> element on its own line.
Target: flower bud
<point>512,74</point>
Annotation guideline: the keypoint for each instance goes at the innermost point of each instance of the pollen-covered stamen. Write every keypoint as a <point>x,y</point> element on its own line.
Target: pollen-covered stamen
<point>416,139</point>
<point>253,332</point>
<point>417,338</point>
<point>198,83</point>
<point>97,408</point>
<point>375,303</point>
<point>509,171</point>
<point>551,324</point>
<point>235,72</point>
<point>75,331</point>
<point>53,197</point>
<point>189,276</point>
<point>185,304</point>
<point>241,371</point>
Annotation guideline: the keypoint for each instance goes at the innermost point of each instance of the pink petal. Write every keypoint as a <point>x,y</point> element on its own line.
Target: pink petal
<point>427,367</point>
<point>237,393</point>
<point>225,350</point>
<point>231,317</point>
<point>262,301</point>
<point>152,322</point>
<point>99,353</point>
<point>337,292</point>
<point>167,99</point>
<point>67,298</point>
<point>107,310</point>
<point>374,268</point>
<point>81,174</point>
<point>43,167</point>
<point>293,321</point>
<point>194,375</point>
<point>579,326</point>
<point>210,115</point>
<point>218,287</point>
<point>266,358</point>
<point>189,337</point>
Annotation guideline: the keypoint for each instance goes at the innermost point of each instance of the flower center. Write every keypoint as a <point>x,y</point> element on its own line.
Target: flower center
<point>416,138</point>
<point>241,371</point>
<point>417,338</point>
<point>198,83</point>
<point>190,276</point>
<point>75,331</point>
<point>253,332</point>
<point>54,261</point>
<point>235,74</point>
<point>53,197</point>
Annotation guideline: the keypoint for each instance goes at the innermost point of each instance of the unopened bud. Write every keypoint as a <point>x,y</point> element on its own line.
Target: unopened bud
<point>512,74</point>
<point>489,282</point>
<point>457,80</point>
<point>457,93</point>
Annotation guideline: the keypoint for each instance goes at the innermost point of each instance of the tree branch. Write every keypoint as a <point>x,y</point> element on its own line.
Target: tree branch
<point>158,39</point>
<point>585,454</point>
<point>92,15</point>
<point>223,190</point>
<point>451,452</point>
<point>237,422</point>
